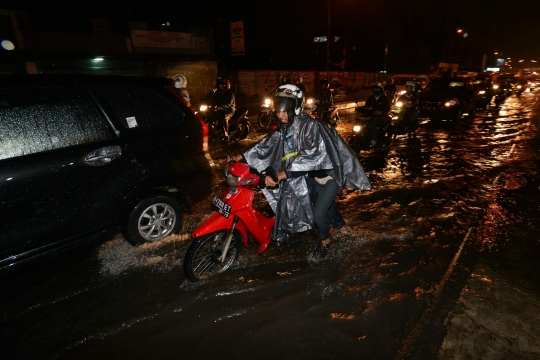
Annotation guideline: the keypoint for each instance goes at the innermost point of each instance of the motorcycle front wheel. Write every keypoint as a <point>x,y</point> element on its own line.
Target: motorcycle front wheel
<point>243,131</point>
<point>202,257</point>
<point>265,119</point>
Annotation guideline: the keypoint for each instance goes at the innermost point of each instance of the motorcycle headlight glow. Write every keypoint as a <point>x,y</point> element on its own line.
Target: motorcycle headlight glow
<point>356,128</point>
<point>310,101</point>
<point>203,108</point>
<point>403,92</point>
<point>519,86</point>
<point>495,86</point>
<point>399,104</point>
<point>481,92</point>
<point>232,180</point>
<point>451,103</point>
<point>267,102</point>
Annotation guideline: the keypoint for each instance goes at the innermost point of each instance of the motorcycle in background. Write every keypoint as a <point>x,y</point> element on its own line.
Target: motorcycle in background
<point>404,118</point>
<point>361,137</point>
<point>218,240</point>
<point>329,116</point>
<point>266,116</point>
<point>239,124</point>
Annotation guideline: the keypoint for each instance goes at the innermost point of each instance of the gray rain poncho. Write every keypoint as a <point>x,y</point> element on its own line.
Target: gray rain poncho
<point>317,146</point>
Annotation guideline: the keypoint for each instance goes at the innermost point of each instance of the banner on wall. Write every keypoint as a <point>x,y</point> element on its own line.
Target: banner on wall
<point>237,38</point>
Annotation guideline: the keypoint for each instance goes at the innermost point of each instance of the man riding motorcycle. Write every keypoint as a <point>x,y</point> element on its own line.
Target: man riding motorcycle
<point>224,103</point>
<point>390,88</point>
<point>299,147</point>
<point>407,104</point>
<point>377,107</point>
<point>324,96</point>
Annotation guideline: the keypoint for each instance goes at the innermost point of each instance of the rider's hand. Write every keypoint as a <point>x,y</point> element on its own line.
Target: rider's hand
<point>269,182</point>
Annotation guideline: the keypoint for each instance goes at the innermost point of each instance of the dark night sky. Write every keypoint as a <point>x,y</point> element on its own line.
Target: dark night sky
<point>279,27</point>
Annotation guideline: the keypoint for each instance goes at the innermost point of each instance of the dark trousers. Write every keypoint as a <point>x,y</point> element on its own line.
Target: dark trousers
<point>325,208</point>
<point>376,122</point>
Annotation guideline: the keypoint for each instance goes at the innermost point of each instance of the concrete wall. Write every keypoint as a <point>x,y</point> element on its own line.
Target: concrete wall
<point>260,82</point>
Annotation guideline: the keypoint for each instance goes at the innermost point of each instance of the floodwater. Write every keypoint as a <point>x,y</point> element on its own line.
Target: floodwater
<point>452,217</point>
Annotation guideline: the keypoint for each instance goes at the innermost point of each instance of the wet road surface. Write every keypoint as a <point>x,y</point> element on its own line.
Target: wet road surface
<point>454,200</point>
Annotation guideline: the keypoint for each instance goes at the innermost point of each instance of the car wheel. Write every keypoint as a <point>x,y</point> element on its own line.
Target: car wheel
<point>153,219</point>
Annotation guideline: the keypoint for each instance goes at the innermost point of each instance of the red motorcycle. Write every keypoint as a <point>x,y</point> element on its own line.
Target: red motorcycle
<point>217,241</point>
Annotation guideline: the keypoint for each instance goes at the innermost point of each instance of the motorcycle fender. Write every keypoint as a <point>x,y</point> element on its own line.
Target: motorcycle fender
<point>218,222</point>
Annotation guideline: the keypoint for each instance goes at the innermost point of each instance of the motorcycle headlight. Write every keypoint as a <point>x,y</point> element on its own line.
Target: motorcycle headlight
<point>495,86</point>
<point>267,102</point>
<point>356,128</point>
<point>232,180</point>
<point>399,104</point>
<point>481,92</point>
<point>402,92</point>
<point>203,108</point>
<point>451,103</point>
<point>310,101</point>
<point>519,86</point>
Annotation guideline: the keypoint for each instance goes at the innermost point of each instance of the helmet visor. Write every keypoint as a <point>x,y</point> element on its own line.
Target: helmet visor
<point>283,104</point>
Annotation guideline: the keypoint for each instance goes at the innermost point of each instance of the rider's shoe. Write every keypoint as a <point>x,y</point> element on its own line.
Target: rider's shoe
<point>322,250</point>
<point>338,223</point>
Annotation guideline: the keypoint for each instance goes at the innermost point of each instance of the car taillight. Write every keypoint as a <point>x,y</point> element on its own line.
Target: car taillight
<point>203,145</point>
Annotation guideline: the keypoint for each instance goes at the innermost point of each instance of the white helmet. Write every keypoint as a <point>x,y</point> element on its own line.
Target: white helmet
<point>180,81</point>
<point>288,98</point>
<point>411,83</point>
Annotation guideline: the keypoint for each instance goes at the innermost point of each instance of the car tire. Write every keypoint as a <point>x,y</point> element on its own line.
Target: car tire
<point>160,210</point>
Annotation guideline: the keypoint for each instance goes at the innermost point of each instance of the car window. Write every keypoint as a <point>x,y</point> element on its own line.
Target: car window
<point>33,120</point>
<point>139,109</point>
<point>445,86</point>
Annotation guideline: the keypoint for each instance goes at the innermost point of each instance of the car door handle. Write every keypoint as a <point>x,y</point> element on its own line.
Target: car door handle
<point>103,156</point>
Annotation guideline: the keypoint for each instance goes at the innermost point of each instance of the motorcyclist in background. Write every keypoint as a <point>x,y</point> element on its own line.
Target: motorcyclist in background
<point>224,103</point>
<point>390,88</point>
<point>300,84</point>
<point>281,80</point>
<point>377,106</point>
<point>410,101</point>
<point>324,96</point>
<point>421,84</point>
<point>180,84</point>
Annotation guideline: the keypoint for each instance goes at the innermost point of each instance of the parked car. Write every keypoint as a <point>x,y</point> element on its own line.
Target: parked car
<point>85,157</point>
<point>448,98</point>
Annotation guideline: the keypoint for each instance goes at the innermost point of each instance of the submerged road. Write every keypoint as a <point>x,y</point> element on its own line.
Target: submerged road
<point>453,204</point>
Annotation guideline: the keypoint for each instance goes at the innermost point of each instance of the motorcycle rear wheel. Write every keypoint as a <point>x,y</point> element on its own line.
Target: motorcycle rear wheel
<point>243,132</point>
<point>202,257</point>
<point>265,119</point>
